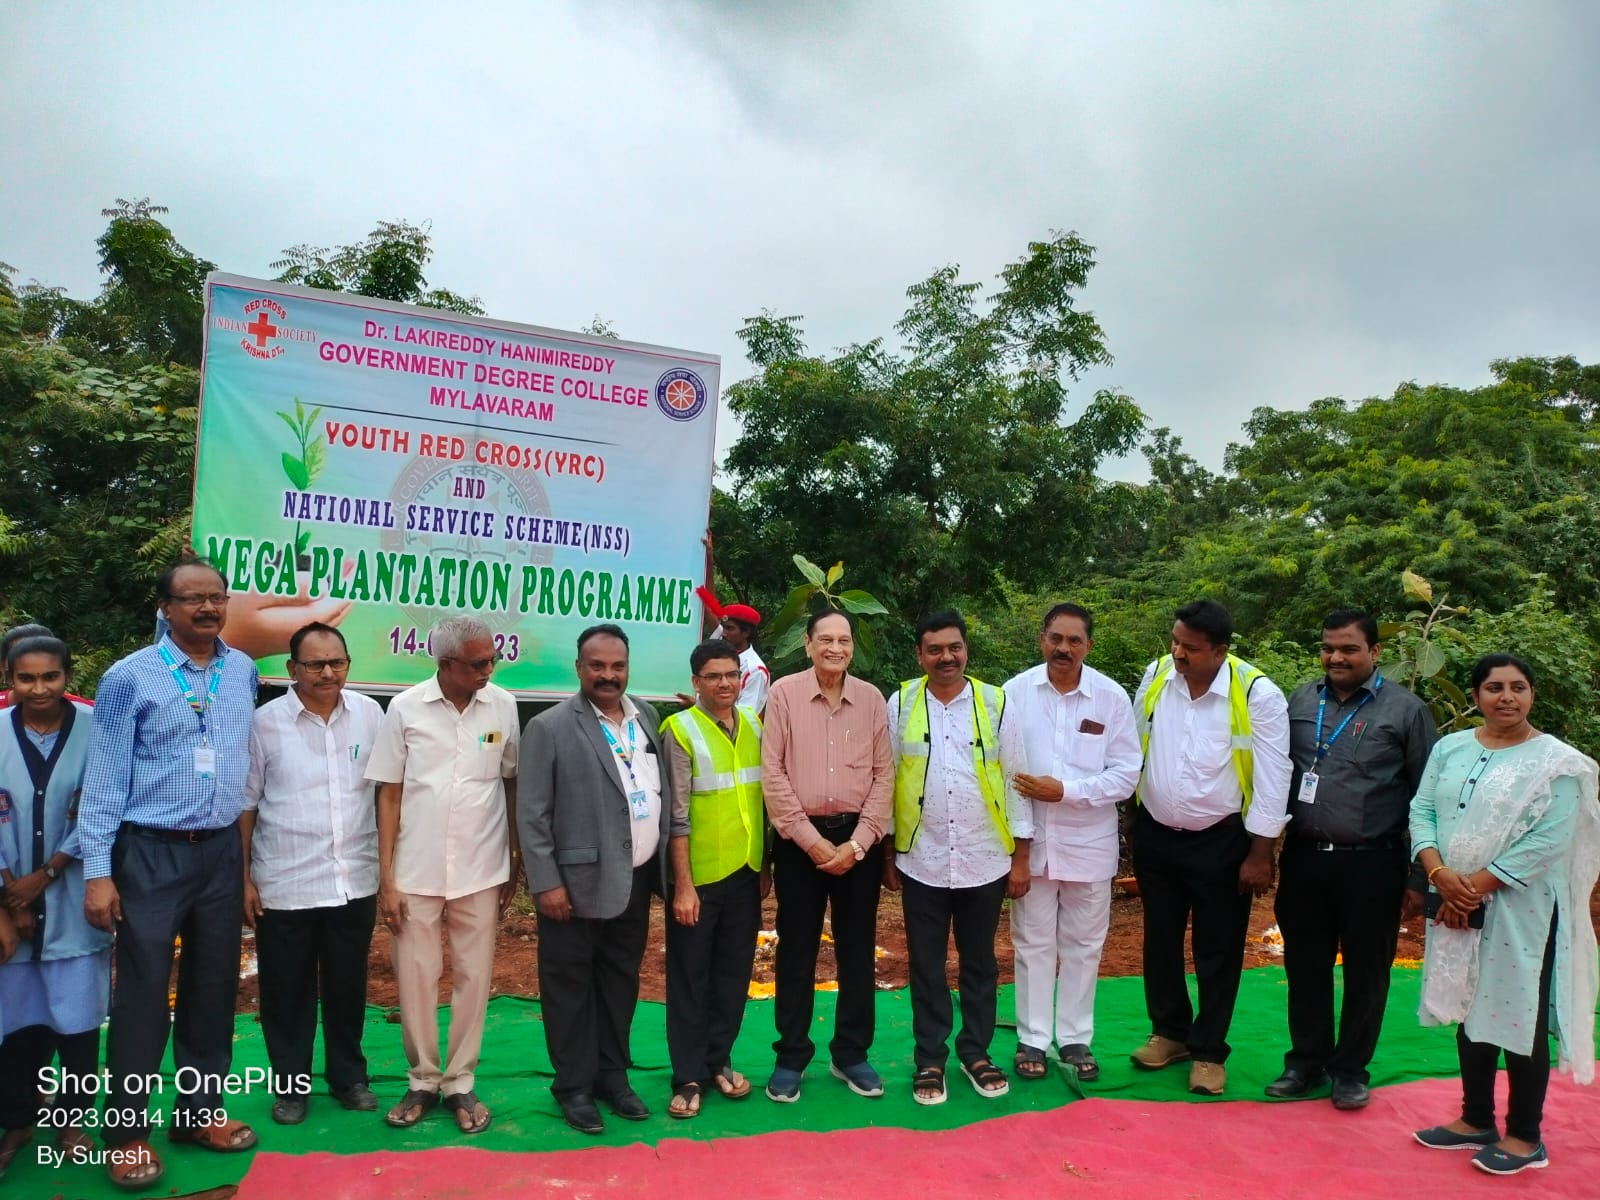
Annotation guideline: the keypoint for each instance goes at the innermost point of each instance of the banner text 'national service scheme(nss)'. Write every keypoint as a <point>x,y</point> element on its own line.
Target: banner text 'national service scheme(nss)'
<point>386,466</point>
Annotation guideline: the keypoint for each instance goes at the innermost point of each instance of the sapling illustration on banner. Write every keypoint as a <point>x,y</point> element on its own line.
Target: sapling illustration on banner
<point>303,471</point>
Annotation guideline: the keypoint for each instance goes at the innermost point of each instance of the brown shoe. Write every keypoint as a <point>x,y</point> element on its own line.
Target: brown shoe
<point>1207,1078</point>
<point>1159,1052</point>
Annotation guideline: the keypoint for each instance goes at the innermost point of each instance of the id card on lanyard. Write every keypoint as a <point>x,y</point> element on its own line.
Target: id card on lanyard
<point>1308,781</point>
<point>205,754</point>
<point>638,800</point>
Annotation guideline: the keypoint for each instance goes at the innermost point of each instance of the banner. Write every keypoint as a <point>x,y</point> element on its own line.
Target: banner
<point>382,467</point>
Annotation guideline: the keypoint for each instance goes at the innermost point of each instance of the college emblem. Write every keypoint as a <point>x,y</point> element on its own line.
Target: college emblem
<point>681,394</point>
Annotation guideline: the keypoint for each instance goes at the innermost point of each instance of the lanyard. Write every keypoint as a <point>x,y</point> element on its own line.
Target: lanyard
<point>200,710</point>
<point>1322,708</point>
<point>625,755</point>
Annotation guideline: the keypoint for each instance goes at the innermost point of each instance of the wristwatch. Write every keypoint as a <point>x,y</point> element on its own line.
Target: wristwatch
<point>52,872</point>
<point>857,847</point>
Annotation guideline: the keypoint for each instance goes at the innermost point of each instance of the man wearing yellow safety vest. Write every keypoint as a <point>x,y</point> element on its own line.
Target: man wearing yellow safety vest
<point>1211,805</point>
<point>720,876</point>
<point>960,847</point>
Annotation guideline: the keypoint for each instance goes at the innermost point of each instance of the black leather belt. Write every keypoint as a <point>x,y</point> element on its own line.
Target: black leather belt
<point>836,820</point>
<point>191,836</point>
<point>1384,843</point>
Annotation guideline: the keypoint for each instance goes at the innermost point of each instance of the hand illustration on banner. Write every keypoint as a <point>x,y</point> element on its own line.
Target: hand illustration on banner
<point>262,625</point>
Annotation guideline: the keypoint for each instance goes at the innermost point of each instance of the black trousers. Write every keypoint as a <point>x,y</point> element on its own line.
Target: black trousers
<point>27,1051</point>
<point>588,990</point>
<point>1183,873</point>
<point>303,953</point>
<point>931,915</point>
<point>1528,1075</point>
<point>804,895</point>
<point>708,975</point>
<point>1333,901</point>
<point>172,889</point>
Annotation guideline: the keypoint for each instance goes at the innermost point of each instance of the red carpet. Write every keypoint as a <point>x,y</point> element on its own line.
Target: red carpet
<point>1099,1149</point>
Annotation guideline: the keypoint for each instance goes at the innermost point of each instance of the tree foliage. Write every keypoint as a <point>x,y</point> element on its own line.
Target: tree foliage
<point>934,468</point>
<point>97,411</point>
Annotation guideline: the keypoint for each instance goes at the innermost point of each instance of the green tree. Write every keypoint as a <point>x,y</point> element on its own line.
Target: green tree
<point>387,264</point>
<point>936,470</point>
<point>97,411</point>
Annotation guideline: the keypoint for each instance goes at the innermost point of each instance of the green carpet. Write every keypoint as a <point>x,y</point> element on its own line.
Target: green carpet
<point>515,1073</point>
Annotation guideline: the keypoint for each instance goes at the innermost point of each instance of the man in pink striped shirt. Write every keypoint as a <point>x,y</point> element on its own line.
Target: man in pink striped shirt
<point>828,780</point>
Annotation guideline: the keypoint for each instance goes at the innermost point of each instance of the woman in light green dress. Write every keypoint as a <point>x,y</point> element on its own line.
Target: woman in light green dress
<point>1507,826</point>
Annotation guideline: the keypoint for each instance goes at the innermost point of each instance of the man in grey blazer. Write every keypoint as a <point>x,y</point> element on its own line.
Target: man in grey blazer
<point>594,799</point>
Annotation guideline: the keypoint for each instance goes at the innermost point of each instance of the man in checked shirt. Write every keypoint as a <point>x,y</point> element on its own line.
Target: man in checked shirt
<point>161,856</point>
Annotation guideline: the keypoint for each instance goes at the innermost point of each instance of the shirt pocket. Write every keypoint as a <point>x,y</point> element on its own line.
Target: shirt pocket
<point>1086,752</point>
<point>484,756</point>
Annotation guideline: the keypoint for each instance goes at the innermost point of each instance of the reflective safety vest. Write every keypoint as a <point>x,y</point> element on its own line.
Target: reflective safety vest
<point>1244,678</point>
<point>911,768</point>
<point>727,818</point>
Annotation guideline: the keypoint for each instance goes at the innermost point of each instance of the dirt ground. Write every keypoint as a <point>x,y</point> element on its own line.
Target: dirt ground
<point>516,970</point>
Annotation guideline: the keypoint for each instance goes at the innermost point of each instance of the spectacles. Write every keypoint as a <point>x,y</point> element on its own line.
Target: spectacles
<point>719,677</point>
<point>317,666</point>
<point>475,664</point>
<point>199,598</point>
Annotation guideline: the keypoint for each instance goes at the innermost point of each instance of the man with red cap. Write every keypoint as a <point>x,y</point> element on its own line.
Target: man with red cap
<point>738,627</point>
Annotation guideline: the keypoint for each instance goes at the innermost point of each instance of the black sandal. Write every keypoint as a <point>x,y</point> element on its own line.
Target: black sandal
<point>400,1115</point>
<point>983,1073</point>
<point>468,1102</point>
<point>1030,1063</point>
<point>690,1094</point>
<point>928,1077</point>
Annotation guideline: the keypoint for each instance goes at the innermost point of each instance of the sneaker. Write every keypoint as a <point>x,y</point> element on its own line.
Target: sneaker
<point>1207,1078</point>
<point>1502,1162</point>
<point>860,1078</point>
<point>1159,1052</point>
<point>784,1085</point>
<point>1440,1137</point>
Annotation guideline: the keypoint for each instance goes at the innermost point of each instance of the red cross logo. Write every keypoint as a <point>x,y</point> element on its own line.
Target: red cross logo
<point>261,329</point>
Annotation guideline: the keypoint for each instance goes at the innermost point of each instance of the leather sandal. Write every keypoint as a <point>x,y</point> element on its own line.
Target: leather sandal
<point>231,1137</point>
<point>479,1117</point>
<point>685,1102</point>
<point>731,1084</point>
<point>1030,1062</point>
<point>129,1158</point>
<point>401,1115</point>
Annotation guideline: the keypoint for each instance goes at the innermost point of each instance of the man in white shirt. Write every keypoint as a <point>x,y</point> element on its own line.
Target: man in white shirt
<point>310,838</point>
<point>595,812</point>
<point>960,848</point>
<point>1083,759</point>
<point>1212,804</point>
<point>739,624</point>
<point>446,768</point>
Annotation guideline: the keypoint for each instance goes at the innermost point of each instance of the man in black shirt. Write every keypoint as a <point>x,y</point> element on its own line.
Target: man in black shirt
<point>1359,745</point>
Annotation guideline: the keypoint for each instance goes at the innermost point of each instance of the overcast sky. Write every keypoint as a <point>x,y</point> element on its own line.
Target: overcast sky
<point>1289,201</point>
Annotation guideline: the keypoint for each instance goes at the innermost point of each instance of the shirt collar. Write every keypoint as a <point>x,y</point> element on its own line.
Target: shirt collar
<point>298,706</point>
<point>1085,681</point>
<point>178,653</point>
<point>431,691</point>
<point>816,687</point>
<point>1371,685</point>
<point>630,710</point>
<point>964,696</point>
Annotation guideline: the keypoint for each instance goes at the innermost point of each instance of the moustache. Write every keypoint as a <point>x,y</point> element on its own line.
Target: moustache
<point>608,685</point>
